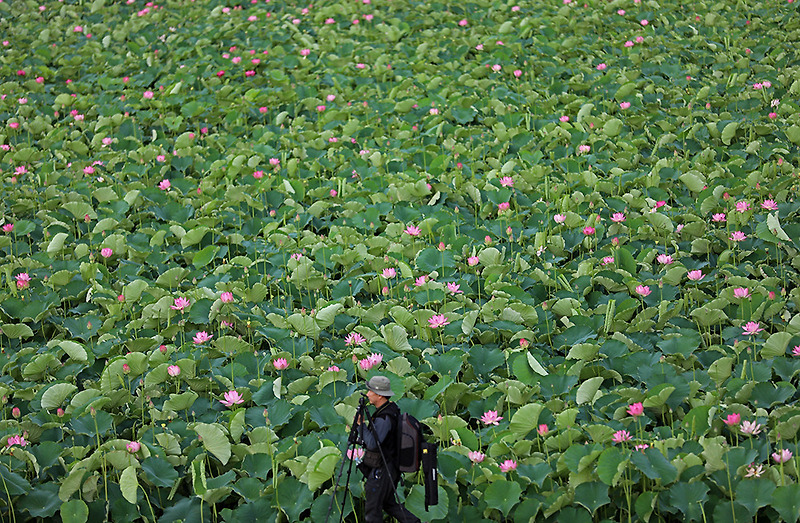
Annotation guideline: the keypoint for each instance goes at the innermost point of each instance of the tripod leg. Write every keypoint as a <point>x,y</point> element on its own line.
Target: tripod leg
<point>338,478</point>
<point>352,440</point>
<point>346,486</point>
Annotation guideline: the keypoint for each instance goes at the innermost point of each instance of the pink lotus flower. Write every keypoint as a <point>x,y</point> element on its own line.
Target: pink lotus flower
<point>420,281</point>
<point>752,327</point>
<point>164,185</point>
<point>174,370</point>
<point>769,205</point>
<point>438,320</point>
<point>607,260</point>
<point>354,338</point>
<point>588,230</point>
<point>664,259</point>
<point>718,217</point>
<point>643,290</point>
<point>628,43</point>
<point>201,337</point>
<point>732,419</point>
<point>621,436</point>
<point>504,206</point>
<point>226,297</point>
<point>106,252</point>
<point>624,105</point>
<point>782,456</point>
<point>180,304</point>
<point>635,409</point>
<point>472,261</point>
<point>371,361</point>
<point>742,206</point>
<point>508,465</point>
<point>601,67</point>
<point>333,368</point>
<point>275,162</point>
<point>741,292</point>
<point>564,118</point>
<point>738,236</point>
<point>454,288</point>
<point>389,273</point>
<point>258,174</point>
<point>148,95</point>
<point>507,181</point>
<point>280,363</point>
<point>796,350</point>
<point>583,149</point>
<point>754,471</point>
<point>476,456</point>
<point>16,440</point>
<point>618,217</point>
<point>644,22</point>
<point>356,454</point>
<point>412,230</point>
<point>231,398</point>
<point>559,218</point>
<point>542,429</point>
<point>8,227</point>
<point>133,447</point>
<point>751,428</point>
<point>490,417</point>
<point>23,280</point>
<point>695,275</point>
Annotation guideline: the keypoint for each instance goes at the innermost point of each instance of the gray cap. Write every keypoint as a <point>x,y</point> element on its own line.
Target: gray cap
<point>380,385</point>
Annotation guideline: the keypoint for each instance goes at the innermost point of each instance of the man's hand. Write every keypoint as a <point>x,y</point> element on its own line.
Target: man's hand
<point>358,420</point>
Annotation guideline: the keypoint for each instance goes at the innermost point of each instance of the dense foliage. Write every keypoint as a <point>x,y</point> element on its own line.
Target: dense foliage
<point>566,231</point>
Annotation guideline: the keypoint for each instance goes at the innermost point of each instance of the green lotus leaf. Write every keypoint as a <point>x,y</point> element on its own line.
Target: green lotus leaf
<point>502,495</point>
<point>214,441</point>
<point>55,395</point>
<point>16,330</point>
<point>525,419</point>
<point>320,467</point>
<point>129,484</point>
<point>74,511</point>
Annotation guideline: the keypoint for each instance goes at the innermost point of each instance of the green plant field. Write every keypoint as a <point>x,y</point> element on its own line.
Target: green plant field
<point>566,231</point>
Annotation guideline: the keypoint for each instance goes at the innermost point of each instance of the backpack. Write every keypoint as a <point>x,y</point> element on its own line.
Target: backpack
<point>412,450</point>
<point>409,443</point>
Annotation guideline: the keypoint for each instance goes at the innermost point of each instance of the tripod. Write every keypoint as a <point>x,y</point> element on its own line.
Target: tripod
<point>353,439</point>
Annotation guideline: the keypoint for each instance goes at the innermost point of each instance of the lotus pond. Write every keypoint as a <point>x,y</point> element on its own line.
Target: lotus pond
<point>566,231</point>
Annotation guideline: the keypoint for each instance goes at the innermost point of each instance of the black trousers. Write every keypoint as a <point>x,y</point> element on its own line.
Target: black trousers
<point>379,492</point>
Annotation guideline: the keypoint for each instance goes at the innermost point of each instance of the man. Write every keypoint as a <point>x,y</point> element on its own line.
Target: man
<point>381,477</point>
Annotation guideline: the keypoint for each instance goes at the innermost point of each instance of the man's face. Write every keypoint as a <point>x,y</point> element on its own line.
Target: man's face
<point>374,399</point>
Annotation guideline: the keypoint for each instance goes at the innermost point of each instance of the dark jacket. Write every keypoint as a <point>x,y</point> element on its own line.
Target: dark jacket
<point>384,423</point>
